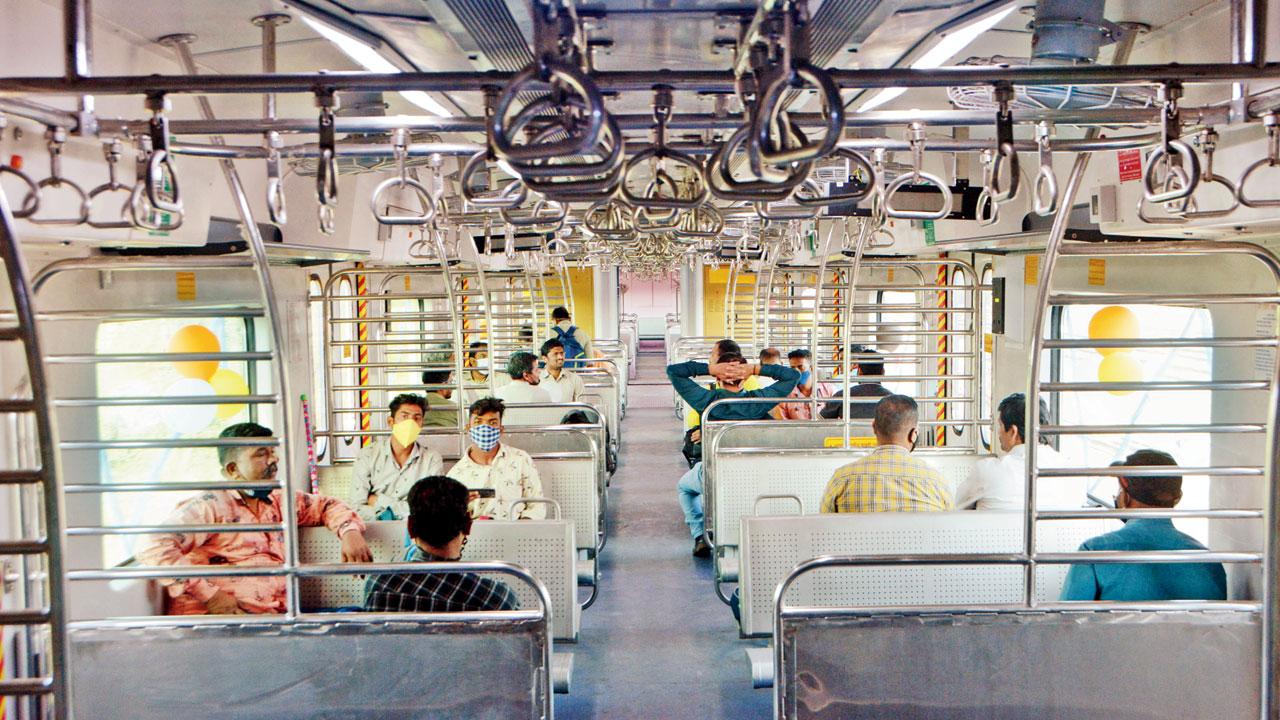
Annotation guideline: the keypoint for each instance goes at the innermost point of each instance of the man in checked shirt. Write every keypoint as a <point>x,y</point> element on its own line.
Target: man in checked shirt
<point>438,526</point>
<point>889,479</point>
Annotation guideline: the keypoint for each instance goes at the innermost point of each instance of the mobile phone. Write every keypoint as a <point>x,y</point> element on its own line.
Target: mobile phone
<point>483,493</point>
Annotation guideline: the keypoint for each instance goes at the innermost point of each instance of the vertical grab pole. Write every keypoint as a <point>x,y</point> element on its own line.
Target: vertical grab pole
<point>1032,420</point>
<point>181,45</point>
<point>50,471</point>
<point>850,301</point>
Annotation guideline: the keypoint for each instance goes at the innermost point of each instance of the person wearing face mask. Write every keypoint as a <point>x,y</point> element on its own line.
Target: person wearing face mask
<point>385,470</point>
<point>889,478</point>
<point>438,528</point>
<point>476,362</point>
<point>523,388</point>
<point>805,388</point>
<point>254,464</point>
<point>489,465</point>
<point>1000,483</point>
<point>1146,582</point>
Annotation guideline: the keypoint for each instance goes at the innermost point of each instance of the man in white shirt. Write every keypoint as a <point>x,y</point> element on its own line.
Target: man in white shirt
<point>385,470</point>
<point>497,474</point>
<point>1000,483</point>
<point>523,388</point>
<point>561,384</point>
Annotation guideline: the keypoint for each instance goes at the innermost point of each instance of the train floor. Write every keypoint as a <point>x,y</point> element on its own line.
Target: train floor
<point>657,644</point>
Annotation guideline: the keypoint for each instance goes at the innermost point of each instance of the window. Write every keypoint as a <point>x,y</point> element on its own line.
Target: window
<point>152,465</point>
<point>895,335</point>
<point>1137,408</point>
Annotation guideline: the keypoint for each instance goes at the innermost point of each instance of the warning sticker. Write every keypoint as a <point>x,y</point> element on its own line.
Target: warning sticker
<point>1097,271</point>
<point>1030,269</point>
<point>186,282</point>
<point>1130,163</point>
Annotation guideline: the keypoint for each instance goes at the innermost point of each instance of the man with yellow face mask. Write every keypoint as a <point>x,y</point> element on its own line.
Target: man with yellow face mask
<point>385,471</point>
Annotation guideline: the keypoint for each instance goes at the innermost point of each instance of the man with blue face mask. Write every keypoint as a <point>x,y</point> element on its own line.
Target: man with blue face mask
<point>497,474</point>
<point>258,502</point>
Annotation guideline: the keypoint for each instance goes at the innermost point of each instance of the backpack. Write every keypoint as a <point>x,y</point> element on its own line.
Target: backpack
<point>572,348</point>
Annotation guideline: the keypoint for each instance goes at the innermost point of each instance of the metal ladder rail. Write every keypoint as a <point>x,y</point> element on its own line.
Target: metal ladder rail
<point>1268,471</point>
<point>53,680</point>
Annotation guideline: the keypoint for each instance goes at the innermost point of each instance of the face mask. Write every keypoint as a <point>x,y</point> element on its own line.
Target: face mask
<point>405,432</point>
<point>485,436</point>
<point>805,377</point>
<point>259,494</point>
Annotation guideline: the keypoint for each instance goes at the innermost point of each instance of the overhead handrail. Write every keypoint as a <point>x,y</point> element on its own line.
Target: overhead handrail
<point>658,155</point>
<point>1272,159</point>
<point>1209,144</point>
<point>400,143</point>
<point>514,193</point>
<point>327,168</point>
<point>55,138</point>
<point>917,176</point>
<point>111,150</point>
<point>1170,154</point>
<point>162,179</point>
<point>1045,193</point>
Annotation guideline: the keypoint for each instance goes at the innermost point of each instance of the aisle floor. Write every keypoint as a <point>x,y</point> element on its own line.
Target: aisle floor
<point>657,643</point>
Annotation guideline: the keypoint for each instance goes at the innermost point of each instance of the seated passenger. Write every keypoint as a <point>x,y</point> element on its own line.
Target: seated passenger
<point>869,365</point>
<point>1000,483</point>
<point>805,388</point>
<point>477,363</point>
<point>441,411</point>
<point>769,356</point>
<point>523,388</point>
<point>385,470</point>
<point>239,595</point>
<point>490,465</point>
<point>1147,581</point>
<point>561,384</point>
<point>692,419</point>
<point>889,479</point>
<point>438,526</point>
<point>731,370</point>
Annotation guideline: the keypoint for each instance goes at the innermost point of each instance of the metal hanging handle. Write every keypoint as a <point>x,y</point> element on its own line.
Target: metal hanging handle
<point>987,211</point>
<point>1171,153</point>
<point>1209,144</point>
<point>919,177</point>
<point>1175,179</point>
<point>112,151</point>
<point>1272,122</point>
<point>55,137</point>
<point>400,148</point>
<point>859,161</point>
<point>1005,162</point>
<point>31,202</point>
<point>657,156</point>
<point>327,169</point>
<point>562,76</point>
<point>162,177</point>
<point>610,220</point>
<point>767,114</point>
<point>536,218</point>
<point>512,195</point>
<point>276,208</point>
<point>1044,196</point>
<point>704,221</point>
<point>767,211</point>
<point>722,184</point>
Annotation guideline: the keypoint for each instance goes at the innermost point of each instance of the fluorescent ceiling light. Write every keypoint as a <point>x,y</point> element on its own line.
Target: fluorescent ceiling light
<point>949,42</point>
<point>370,59</point>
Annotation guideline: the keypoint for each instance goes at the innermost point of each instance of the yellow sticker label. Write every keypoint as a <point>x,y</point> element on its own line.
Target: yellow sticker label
<point>988,343</point>
<point>1030,269</point>
<point>855,441</point>
<point>186,282</point>
<point>890,274</point>
<point>1097,271</point>
<point>407,285</point>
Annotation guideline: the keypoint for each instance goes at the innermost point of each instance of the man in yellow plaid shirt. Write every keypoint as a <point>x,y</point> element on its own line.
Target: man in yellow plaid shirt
<point>889,479</point>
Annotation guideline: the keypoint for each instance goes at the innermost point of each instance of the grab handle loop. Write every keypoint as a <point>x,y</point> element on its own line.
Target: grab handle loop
<point>30,202</point>
<point>917,176</point>
<point>860,168</point>
<point>276,209</point>
<point>55,137</point>
<point>1171,153</point>
<point>327,169</point>
<point>1045,192</point>
<point>1272,122</point>
<point>1005,154</point>
<point>111,151</point>
<point>162,178</point>
<point>1209,144</point>
<point>427,205</point>
<point>767,114</point>
<point>704,221</point>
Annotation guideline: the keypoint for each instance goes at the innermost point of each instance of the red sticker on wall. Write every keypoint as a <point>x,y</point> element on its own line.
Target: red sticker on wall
<point>1130,162</point>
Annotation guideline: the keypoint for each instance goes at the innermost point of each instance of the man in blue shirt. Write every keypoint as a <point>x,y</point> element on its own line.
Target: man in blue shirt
<point>1147,581</point>
<point>731,369</point>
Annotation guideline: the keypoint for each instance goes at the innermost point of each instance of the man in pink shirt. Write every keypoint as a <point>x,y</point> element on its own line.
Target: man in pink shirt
<point>805,388</point>
<point>239,595</point>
